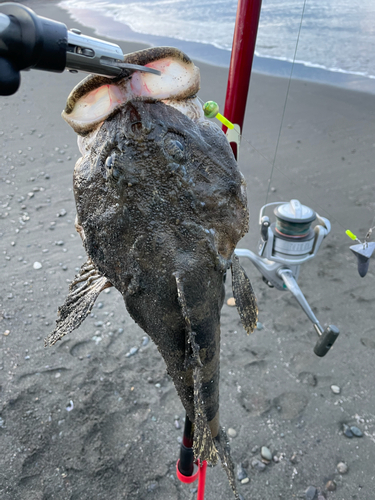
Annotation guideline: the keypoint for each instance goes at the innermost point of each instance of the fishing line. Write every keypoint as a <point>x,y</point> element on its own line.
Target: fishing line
<point>211,110</point>
<point>285,103</point>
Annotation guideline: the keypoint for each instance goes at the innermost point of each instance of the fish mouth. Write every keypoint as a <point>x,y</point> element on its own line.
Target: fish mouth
<point>96,98</point>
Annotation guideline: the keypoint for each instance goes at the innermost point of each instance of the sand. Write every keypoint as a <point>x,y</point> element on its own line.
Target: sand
<point>82,420</point>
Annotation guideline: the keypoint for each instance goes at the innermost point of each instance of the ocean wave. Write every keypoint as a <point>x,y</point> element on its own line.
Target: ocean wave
<point>211,23</point>
<point>309,64</point>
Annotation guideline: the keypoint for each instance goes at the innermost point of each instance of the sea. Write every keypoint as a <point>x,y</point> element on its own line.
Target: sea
<point>328,41</point>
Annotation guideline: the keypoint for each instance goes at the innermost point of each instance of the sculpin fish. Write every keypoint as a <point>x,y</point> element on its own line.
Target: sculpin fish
<point>161,205</point>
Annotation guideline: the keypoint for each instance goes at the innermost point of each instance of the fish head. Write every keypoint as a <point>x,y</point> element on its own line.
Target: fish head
<point>149,168</point>
<point>148,134</point>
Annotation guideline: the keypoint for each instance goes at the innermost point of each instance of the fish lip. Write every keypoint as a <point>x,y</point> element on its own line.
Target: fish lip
<point>140,57</point>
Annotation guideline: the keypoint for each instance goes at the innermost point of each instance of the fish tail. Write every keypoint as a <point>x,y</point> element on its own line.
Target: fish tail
<point>223,450</point>
<point>205,446</point>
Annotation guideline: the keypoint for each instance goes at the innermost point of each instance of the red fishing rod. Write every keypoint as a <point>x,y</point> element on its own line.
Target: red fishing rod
<point>244,39</point>
<point>245,33</point>
<point>185,464</point>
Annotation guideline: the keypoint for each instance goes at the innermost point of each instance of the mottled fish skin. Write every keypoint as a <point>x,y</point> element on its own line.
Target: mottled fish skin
<point>170,200</point>
<point>161,205</point>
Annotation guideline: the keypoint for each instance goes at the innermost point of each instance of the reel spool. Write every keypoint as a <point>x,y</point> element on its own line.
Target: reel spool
<point>290,240</point>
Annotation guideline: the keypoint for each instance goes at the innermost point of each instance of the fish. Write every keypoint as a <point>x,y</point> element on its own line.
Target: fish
<point>161,205</point>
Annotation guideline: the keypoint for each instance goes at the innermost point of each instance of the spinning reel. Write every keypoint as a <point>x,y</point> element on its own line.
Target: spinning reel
<point>283,246</point>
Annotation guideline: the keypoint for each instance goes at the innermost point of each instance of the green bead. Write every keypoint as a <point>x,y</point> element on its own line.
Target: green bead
<point>210,109</point>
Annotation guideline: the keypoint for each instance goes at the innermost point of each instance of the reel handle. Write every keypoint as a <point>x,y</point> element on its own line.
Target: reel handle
<point>326,340</point>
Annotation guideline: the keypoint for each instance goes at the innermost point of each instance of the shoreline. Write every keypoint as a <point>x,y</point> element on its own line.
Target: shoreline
<point>209,54</point>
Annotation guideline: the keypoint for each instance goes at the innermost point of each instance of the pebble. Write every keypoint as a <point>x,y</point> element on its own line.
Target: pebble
<point>232,432</point>
<point>177,424</point>
<point>241,473</point>
<point>59,243</point>
<point>151,487</point>
<point>265,453</point>
<point>132,351</point>
<point>70,406</point>
<point>145,340</point>
<point>356,431</point>
<point>157,385</point>
<point>231,302</point>
<point>294,458</point>
<point>335,389</point>
<point>100,305</point>
<point>342,468</point>
<point>347,432</point>
<point>37,265</point>
<point>258,465</point>
<point>245,480</point>
<point>6,333</point>
<point>331,486</point>
<point>260,325</point>
<point>310,493</point>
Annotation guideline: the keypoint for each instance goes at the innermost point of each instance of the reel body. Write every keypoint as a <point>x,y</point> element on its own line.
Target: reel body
<point>284,245</point>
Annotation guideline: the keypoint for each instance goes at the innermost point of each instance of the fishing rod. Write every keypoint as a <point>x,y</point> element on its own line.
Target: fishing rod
<point>244,39</point>
<point>29,41</point>
<point>185,464</point>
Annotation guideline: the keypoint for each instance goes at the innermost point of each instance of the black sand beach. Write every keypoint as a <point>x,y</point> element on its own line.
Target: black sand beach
<point>84,420</point>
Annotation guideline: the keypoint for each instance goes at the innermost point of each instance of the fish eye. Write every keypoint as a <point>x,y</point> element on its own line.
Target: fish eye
<point>112,171</point>
<point>174,148</point>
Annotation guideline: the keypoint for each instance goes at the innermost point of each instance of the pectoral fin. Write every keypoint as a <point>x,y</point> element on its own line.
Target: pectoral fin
<point>83,292</point>
<point>244,294</point>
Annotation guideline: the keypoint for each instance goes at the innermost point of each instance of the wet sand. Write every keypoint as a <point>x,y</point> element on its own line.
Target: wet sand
<point>82,420</point>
